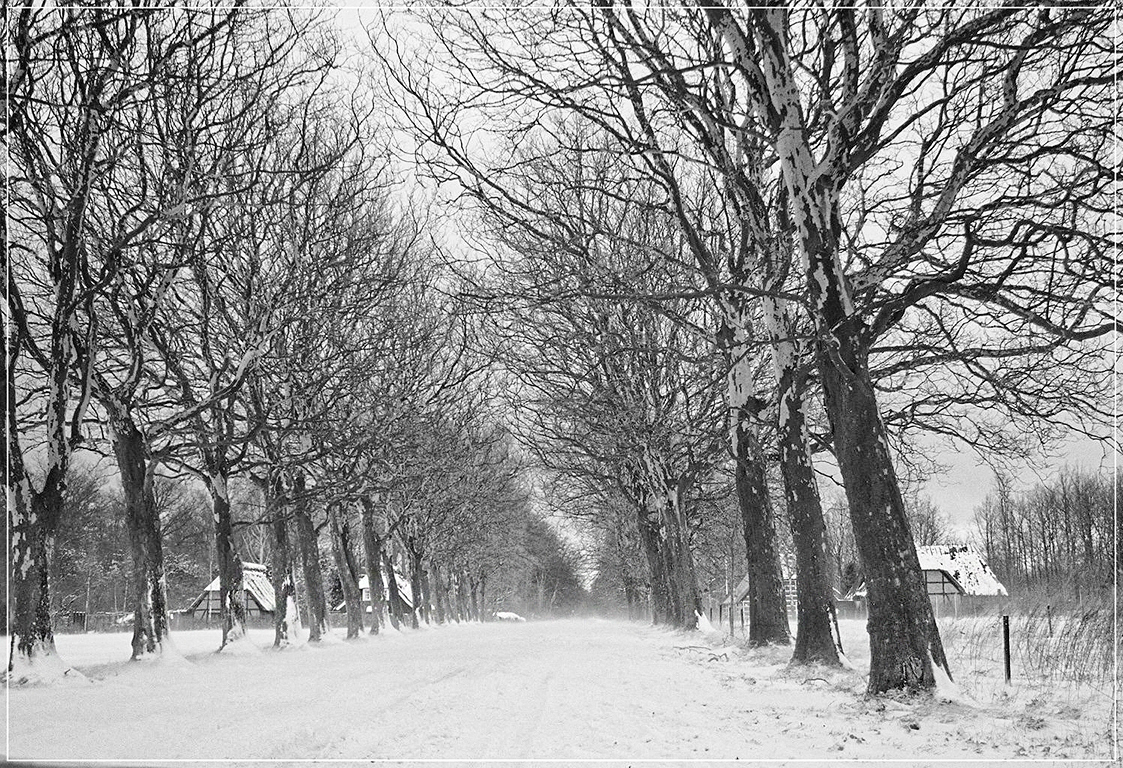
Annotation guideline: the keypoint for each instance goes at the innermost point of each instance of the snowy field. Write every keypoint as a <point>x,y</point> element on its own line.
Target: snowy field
<point>556,690</point>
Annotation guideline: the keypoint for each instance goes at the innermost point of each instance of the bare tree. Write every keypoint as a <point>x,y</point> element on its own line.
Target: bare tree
<point>81,82</point>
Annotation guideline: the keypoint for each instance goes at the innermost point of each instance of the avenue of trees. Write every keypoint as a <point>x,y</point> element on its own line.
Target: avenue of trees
<point>209,283</point>
<point>672,264</point>
<point>890,225</point>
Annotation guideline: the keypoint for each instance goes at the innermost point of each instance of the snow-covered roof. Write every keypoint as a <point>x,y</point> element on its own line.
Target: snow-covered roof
<point>255,581</point>
<point>964,565</point>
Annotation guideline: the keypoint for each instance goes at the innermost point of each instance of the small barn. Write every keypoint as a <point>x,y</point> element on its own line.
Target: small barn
<point>957,570</point>
<point>951,572</point>
<point>257,595</point>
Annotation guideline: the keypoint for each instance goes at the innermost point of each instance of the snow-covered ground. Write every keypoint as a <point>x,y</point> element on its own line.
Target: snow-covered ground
<point>574,689</point>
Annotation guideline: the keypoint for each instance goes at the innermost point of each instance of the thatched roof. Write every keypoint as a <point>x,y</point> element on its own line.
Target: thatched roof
<point>256,583</point>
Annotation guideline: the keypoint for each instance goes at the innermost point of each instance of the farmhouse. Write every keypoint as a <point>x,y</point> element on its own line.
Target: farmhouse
<point>257,595</point>
<point>951,572</point>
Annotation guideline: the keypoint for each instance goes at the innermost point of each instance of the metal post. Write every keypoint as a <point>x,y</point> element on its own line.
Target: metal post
<point>1006,643</point>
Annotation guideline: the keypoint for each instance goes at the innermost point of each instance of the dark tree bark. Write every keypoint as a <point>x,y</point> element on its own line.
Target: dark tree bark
<point>686,604</point>
<point>661,611</point>
<point>348,571</point>
<point>142,522</point>
<point>768,616</point>
<point>440,594</point>
<point>904,640</point>
<point>474,593</point>
<point>815,641</point>
<point>231,587</point>
<point>397,609</point>
<point>415,588</point>
<point>29,531</point>
<point>483,597</point>
<point>310,561</point>
<point>463,599</point>
<point>284,588</point>
<point>372,549</point>
<point>32,636</point>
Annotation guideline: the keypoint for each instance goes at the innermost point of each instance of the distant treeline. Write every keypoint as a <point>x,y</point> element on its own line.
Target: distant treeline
<point>1059,537</point>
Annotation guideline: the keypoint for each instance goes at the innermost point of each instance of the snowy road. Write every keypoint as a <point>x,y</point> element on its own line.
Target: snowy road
<point>554,690</point>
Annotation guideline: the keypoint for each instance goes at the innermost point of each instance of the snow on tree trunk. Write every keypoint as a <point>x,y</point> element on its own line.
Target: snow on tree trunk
<point>231,586</point>
<point>142,522</point>
<point>372,549</point>
<point>648,523</point>
<point>768,616</point>
<point>686,601</point>
<point>348,576</point>
<point>397,606</point>
<point>33,658</point>
<point>815,641</point>
<point>440,594</point>
<point>284,590</point>
<point>904,640</point>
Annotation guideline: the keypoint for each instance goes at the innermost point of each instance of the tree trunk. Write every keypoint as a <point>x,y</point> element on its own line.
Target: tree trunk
<point>904,639</point>
<point>426,595</point>
<point>682,579</point>
<point>284,589</point>
<point>475,596</point>
<point>463,597</point>
<point>231,586</point>
<point>814,641</point>
<point>440,594</point>
<point>415,587</point>
<point>397,610</point>
<point>149,599</point>
<point>33,641</point>
<point>348,575</point>
<point>660,589</point>
<point>483,597</point>
<point>310,560</point>
<point>372,549</point>
<point>768,616</point>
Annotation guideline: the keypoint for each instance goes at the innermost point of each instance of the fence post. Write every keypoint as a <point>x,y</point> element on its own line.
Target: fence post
<point>1006,643</point>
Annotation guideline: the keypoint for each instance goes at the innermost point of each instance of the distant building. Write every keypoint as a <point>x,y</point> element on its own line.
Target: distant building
<point>257,595</point>
<point>404,592</point>
<point>787,575</point>
<point>951,570</point>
